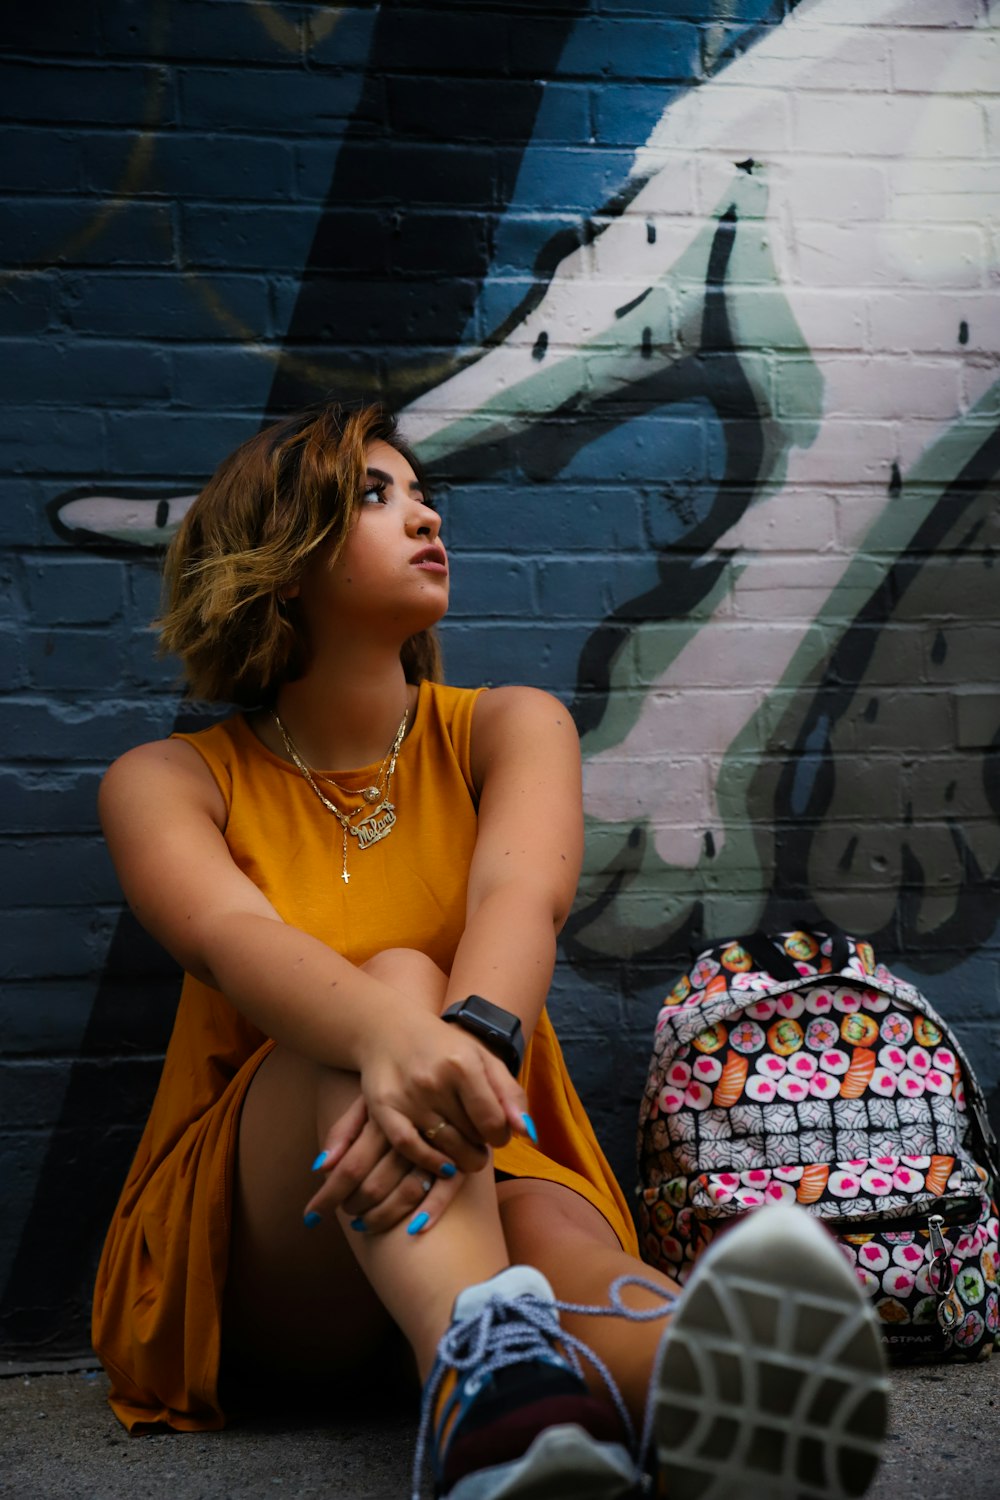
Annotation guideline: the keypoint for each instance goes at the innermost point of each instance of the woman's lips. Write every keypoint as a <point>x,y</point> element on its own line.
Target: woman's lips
<point>431,561</point>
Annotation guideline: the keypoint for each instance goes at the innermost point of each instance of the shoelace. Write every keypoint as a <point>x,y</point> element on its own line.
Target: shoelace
<point>494,1341</point>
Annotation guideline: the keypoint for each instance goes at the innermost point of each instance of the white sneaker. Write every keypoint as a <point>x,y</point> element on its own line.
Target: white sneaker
<point>506,1412</point>
<point>770,1382</point>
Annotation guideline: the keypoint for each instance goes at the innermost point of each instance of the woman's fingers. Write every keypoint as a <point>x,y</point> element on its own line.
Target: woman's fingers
<point>357,1197</point>
<point>455,1115</point>
<point>481,1099</point>
<point>459,1101</point>
<point>342,1135</point>
<point>493,1102</point>
<point>343,1177</point>
<point>392,1191</point>
<point>446,1143</point>
<point>369,1170</point>
<point>418,1201</point>
<point>515,1104</point>
<point>378,1186</point>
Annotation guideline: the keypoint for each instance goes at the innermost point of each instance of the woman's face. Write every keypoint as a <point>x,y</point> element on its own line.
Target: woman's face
<point>392,574</point>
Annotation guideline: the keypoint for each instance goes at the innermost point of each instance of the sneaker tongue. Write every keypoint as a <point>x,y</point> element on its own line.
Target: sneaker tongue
<point>515,1281</point>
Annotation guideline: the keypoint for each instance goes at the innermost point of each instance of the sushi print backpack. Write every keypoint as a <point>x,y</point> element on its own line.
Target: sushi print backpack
<point>795,1067</point>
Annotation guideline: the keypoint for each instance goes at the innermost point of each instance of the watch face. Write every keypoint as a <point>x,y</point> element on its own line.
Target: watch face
<point>495,1027</point>
<point>491,1017</point>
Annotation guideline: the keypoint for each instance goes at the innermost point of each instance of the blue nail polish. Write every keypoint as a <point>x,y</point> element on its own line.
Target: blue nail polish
<point>529,1126</point>
<point>312,1218</point>
<point>416,1224</point>
<point>447,1169</point>
<point>359,1226</point>
<point>321,1158</point>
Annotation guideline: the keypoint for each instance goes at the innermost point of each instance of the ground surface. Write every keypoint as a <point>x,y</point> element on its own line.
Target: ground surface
<point>58,1439</point>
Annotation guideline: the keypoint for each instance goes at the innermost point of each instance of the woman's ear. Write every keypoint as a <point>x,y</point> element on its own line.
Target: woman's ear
<point>289,591</point>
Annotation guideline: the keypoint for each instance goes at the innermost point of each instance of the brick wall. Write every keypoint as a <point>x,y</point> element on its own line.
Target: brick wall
<point>691,308</point>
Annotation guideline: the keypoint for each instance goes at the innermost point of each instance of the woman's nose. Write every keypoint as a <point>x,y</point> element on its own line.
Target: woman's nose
<point>422,521</point>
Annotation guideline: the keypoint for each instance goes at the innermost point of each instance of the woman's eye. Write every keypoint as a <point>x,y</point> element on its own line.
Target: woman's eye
<point>374,494</point>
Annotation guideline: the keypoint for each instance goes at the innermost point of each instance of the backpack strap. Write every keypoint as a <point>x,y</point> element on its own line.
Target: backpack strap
<point>840,947</point>
<point>769,956</point>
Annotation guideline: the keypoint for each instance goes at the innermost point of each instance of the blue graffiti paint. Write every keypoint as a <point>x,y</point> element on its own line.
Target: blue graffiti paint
<point>807,767</point>
<point>613,81</point>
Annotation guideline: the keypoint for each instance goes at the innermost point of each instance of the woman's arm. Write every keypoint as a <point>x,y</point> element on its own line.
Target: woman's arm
<point>163,817</point>
<point>526,764</point>
<point>529,844</point>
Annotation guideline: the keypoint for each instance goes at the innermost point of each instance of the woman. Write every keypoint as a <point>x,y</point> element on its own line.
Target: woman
<point>367,955</point>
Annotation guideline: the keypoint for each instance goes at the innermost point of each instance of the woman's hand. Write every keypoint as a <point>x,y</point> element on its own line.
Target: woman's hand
<point>369,1181</point>
<point>432,1089</point>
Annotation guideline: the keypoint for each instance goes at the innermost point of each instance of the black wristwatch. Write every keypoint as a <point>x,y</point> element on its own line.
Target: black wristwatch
<point>496,1028</point>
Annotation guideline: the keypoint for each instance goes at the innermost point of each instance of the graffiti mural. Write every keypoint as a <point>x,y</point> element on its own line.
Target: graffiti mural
<point>714,411</point>
<point>846,455</point>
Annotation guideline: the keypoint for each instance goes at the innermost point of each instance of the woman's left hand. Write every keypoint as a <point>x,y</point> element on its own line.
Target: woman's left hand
<point>366,1179</point>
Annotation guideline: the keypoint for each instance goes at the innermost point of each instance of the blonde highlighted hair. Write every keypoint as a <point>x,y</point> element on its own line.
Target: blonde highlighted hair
<point>249,535</point>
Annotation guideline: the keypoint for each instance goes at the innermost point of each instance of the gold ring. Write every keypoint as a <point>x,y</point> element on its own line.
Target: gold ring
<point>434,1130</point>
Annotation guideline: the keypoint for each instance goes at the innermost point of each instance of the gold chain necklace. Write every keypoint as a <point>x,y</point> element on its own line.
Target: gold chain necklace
<point>371,793</point>
<point>378,821</point>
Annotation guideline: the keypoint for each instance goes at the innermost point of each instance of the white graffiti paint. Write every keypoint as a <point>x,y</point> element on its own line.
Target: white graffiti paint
<point>836,217</point>
<point>870,178</point>
<point>123,519</point>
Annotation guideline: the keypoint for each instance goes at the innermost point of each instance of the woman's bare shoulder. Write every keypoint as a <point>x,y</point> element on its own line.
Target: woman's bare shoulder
<point>516,710</point>
<point>169,771</point>
<point>521,723</point>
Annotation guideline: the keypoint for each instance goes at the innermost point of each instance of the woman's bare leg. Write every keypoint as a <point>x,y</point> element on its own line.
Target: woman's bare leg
<point>551,1227</point>
<point>295,1298</point>
<point>317,1300</point>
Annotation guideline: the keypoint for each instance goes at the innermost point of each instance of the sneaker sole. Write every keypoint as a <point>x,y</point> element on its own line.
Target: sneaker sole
<point>563,1463</point>
<point>771,1380</point>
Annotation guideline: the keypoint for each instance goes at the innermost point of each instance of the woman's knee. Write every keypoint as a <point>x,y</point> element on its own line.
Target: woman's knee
<point>539,1215</point>
<point>412,972</point>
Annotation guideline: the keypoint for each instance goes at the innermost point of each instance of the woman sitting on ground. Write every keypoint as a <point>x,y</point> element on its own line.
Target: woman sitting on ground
<point>368,949</point>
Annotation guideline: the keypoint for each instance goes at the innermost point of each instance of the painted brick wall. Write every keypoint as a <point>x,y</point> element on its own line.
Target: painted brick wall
<point>691,309</point>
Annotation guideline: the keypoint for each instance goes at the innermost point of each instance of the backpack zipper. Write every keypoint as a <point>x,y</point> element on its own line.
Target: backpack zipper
<point>958,1211</point>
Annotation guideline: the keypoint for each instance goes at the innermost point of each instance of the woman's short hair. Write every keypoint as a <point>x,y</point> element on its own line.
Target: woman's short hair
<point>248,536</point>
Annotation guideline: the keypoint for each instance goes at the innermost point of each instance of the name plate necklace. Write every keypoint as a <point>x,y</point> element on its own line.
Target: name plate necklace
<point>377,813</point>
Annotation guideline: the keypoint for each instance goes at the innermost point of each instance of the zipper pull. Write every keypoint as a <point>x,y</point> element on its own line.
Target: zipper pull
<point>942,1278</point>
<point>941,1275</point>
<point>937,1239</point>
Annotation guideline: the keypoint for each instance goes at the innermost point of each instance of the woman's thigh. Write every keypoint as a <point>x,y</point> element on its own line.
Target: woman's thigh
<point>295,1298</point>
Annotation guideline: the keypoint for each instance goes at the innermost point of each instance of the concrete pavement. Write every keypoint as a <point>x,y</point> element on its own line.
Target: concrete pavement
<point>58,1439</point>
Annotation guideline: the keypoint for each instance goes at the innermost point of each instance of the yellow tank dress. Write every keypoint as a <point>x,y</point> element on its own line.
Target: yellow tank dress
<point>158,1296</point>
